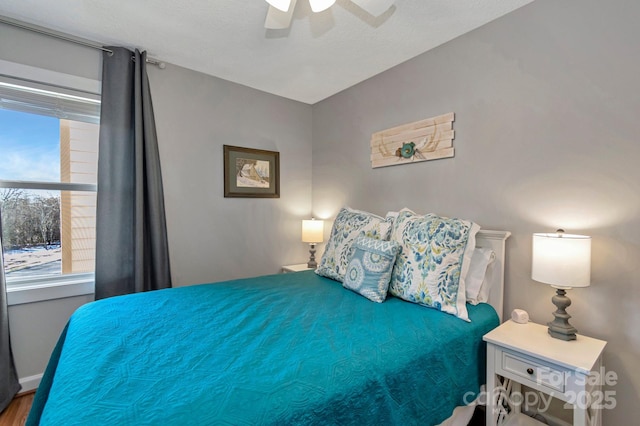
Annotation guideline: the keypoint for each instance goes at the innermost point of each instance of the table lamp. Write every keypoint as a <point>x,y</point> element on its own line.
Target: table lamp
<point>312,233</point>
<point>564,262</point>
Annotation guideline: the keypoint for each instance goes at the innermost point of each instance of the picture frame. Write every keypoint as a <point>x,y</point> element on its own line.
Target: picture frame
<point>251,173</point>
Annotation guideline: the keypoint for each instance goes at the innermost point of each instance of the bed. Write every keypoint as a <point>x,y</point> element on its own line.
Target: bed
<point>292,348</point>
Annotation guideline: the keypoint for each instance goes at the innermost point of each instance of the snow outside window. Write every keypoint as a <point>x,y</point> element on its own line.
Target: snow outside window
<point>48,183</point>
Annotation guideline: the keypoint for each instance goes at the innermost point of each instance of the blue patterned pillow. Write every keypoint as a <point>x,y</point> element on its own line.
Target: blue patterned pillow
<point>349,224</point>
<point>435,254</point>
<point>370,268</point>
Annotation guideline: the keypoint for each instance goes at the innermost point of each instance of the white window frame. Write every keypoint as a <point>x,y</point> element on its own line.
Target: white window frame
<point>35,289</point>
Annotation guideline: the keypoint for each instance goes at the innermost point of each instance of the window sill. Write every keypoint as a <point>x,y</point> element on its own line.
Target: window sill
<point>31,291</point>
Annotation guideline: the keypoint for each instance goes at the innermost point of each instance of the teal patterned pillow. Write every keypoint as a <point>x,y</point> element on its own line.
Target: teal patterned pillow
<point>349,224</point>
<point>434,256</point>
<point>370,268</point>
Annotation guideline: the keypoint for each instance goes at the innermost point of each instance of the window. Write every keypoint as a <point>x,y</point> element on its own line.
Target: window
<point>48,182</point>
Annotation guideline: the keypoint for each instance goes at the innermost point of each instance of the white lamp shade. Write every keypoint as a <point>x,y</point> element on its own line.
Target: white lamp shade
<point>312,231</point>
<point>282,5</point>
<point>561,260</point>
<point>320,5</point>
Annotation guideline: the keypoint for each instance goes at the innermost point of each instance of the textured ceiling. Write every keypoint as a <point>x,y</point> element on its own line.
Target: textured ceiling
<point>319,55</point>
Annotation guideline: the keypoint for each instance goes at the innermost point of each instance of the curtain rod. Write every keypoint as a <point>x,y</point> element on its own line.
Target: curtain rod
<point>60,36</point>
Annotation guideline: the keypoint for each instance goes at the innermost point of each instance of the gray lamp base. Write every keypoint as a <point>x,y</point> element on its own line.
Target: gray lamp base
<point>560,328</point>
<point>312,259</point>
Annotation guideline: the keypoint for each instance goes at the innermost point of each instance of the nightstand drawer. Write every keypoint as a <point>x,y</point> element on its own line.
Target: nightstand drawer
<point>534,371</point>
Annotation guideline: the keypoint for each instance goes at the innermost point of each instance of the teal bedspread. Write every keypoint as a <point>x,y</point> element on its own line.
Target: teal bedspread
<point>280,349</point>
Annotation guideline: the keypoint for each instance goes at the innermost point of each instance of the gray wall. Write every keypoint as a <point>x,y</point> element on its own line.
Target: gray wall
<point>35,328</point>
<point>214,238</point>
<point>211,238</point>
<point>29,48</point>
<point>546,102</point>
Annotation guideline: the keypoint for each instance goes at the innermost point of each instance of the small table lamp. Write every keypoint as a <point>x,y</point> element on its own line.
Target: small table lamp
<point>564,262</point>
<point>312,233</point>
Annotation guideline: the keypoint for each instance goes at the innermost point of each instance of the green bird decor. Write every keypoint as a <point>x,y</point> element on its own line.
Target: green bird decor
<point>407,150</point>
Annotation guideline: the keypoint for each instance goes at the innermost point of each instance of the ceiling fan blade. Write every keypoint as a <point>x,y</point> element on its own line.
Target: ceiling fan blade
<point>282,5</point>
<point>320,5</point>
<point>277,19</point>
<point>374,7</point>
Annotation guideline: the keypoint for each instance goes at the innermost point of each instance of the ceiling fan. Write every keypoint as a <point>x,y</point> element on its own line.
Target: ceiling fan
<point>281,11</point>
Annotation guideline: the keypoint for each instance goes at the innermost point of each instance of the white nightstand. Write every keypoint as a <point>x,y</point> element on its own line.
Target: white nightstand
<point>295,268</point>
<point>525,354</point>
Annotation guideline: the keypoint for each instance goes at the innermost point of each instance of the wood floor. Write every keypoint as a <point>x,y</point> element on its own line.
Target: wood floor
<point>17,412</point>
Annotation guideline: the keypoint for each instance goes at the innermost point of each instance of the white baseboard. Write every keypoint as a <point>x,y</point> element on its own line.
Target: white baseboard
<point>30,383</point>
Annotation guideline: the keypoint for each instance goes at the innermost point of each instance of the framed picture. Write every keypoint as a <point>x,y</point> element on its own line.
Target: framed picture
<point>251,173</point>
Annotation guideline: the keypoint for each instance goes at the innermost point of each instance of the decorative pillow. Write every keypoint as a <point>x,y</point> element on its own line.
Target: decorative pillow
<point>434,257</point>
<point>369,271</point>
<point>476,284</point>
<point>349,224</point>
<point>392,215</point>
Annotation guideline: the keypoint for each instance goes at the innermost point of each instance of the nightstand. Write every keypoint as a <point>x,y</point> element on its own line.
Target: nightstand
<point>295,268</point>
<point>525,354</point>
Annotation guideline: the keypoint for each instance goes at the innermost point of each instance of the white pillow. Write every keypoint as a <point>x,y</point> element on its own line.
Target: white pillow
<point>393,215</point>
<point>476,282</point>
<point>468,255</point>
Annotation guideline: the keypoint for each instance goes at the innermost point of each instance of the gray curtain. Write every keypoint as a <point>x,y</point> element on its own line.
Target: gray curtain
<point>9,384</point>
<point>132,252</point>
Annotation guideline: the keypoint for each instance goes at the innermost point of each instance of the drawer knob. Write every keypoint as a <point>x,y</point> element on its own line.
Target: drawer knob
<point>530,370</point>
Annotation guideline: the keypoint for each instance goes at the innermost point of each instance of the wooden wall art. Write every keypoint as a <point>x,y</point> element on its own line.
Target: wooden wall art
<point>423,140</point>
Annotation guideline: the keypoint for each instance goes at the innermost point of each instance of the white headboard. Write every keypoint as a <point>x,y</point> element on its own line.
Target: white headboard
<point>495,240</point>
